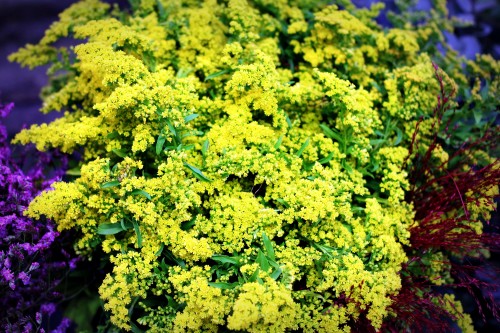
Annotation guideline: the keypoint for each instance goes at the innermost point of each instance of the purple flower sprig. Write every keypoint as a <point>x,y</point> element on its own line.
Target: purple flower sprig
<point>32,263</point>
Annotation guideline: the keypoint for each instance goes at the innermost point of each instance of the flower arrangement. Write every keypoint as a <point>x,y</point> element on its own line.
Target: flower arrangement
<point>270,166</point>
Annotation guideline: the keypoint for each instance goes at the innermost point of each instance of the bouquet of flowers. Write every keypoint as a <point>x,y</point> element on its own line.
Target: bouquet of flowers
<point>270,166</point>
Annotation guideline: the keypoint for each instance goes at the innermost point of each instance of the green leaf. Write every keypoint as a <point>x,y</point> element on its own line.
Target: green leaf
<point>346,166</point>
<point>288,121</point>
<point>262,261</point>
<point>399,136</point>
<point>226,259</point>
<point>172,129</point>
<point>268,246</point>
<point>120,152</point>
<point>162,14</point>
<point>112,135</point>
<point>186,147</point>
<point>283,202</point>
<point>223,285</point>
<point>477,116</point>
<point>188,224</point>
<point>276,274</point>
<point>377,142</point>
<point>111,184</point>
<point>216,74</point>
<point>193,133</point>
<point>126,224</point>
<point>173,258</point>
<point>138,233</point>
<point>278,143</point>
<point>183,72</point>
<point>74,172</point>
<point>160,250</point>
<point>255,275</point>
<point>135,328</point>
<point>332,134</point>
<point>327,159</point>
<point>109,228</point>
<point>204,147</point>
<point>302,148</point>
<point>187,119</point>
<point>163,265</point>
<point>159,143</point>
<point>197,173</point>
<point>142,193</point>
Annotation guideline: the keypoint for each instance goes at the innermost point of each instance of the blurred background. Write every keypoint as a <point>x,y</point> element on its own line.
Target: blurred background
<point>24,21</point>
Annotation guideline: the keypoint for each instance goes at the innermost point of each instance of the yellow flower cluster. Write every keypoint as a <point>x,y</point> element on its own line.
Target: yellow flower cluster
<point>243,182</point>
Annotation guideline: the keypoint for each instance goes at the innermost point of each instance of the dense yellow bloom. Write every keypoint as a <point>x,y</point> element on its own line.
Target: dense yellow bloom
<point>242,181</point>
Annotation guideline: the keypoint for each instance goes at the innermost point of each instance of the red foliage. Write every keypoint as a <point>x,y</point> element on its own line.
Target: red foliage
<point>444,224</point>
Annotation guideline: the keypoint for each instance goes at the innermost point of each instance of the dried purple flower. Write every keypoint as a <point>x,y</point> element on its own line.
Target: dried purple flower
<point>31,266</point>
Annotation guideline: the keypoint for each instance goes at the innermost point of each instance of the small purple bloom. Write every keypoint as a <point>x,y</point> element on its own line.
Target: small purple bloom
<point>31,284</point>
<point>25,278</point>
<point>48,308</point>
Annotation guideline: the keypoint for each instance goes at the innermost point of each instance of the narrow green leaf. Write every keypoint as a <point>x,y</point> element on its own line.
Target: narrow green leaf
<point>188,224</point>
<point>159,143</point>
<point>160,250</point>
<point>187,119</point>
<point>162,14</point>
<point>142,193</point>
<point>273,263</point>
<point>326,159</point>
<point>120,152</point>
<point>135,328</point>
<point>302,148</point>
<point>276,274</point>
<point>192,133</point>
<point>283,202</point>
<point>332,134</point>
<point>377,142</point>
<point>346,166</point>
<point>262,261</point>
<point>477,116</point>
<point>138,233</point>
<point>204,147</point>
<point>399,136</point>
<point>109,228</point>
<point>171,128</point>
<point>173,258</point>
<point>223,285</point>
<point>183,72</point>
<point>226,259</point>
<point>110,184</point>
<point>255,275</point>
<point>197,173</point>
<point>268,246</point>
<point>288,121</point>
<point>278,143</point>
<point>216,74</point>
<point>74,172</point>
<point>163,265</point>
<point>187,147</point>
<point>126,224</point>
<point>112,135</point>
